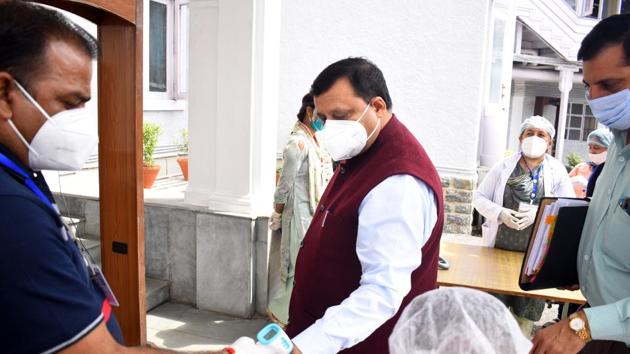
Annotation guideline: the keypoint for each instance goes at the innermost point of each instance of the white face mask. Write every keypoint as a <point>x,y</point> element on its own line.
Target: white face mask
<point>345,139</point>
<point>534,147</point>
<point>598,159</point>
<point>62,143</point>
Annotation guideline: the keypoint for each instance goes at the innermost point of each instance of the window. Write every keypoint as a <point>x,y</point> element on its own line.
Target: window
<point>580,122</point>
<point>596,9</point>
<point>168,49</point>
<point>158,15</point>
<point>182,17</point>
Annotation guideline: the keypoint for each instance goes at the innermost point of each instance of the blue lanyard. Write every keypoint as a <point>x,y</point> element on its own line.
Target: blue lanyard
<point>27,180</point>
<point>535,180</point>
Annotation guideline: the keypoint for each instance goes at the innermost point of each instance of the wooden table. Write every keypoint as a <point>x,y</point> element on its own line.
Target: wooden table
<point>493,270</point>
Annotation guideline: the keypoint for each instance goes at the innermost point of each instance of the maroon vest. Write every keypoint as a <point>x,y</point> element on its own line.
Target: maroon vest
<point>328,268</point>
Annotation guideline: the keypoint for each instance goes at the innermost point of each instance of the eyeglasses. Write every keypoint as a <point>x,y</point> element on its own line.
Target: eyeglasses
<point>624,204</point>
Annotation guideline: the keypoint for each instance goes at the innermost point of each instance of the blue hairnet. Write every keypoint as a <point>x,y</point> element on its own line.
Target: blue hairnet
<point>602,137</point>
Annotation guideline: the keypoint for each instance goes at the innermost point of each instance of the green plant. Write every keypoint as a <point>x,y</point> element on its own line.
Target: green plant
<point>182,142</point>
<point>573,159</point>
<point>150,134</point>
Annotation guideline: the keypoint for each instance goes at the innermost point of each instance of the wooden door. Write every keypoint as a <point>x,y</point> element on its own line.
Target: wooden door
<point>120,153</point>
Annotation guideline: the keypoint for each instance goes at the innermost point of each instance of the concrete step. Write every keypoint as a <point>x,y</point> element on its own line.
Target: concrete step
<point>76,225</point>
<point>93,247</point>
<point>157,291</point>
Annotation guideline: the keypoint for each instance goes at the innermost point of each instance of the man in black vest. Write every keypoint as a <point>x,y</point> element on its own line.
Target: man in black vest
<point>373,242</point>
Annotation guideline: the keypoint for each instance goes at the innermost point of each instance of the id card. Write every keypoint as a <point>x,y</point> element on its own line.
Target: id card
<point>102,283</point>
<point>522,206</point>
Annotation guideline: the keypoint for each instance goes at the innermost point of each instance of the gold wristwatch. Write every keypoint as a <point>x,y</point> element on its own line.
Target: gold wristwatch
<point>578,325</point>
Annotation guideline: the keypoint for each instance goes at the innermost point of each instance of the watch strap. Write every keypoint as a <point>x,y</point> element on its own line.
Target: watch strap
<point>582,333</point>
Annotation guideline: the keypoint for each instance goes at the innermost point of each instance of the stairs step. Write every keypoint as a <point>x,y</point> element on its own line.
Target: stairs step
<point>157,291</point>
<point>76,225</point>
<point>93,247</point>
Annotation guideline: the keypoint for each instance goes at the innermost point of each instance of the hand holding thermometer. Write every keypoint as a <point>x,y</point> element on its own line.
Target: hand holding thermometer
<point>271,340</point>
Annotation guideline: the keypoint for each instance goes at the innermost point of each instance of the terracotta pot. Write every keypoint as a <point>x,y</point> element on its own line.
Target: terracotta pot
<point>183,165</point>
<point>150,174</point>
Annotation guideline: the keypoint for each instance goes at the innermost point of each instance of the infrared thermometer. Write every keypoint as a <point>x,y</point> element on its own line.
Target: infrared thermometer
<point>270,340</point>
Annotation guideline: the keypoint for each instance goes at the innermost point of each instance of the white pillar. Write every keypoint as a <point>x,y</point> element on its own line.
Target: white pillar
<point>202,99</point>
<point>233,104</point>
<point>565,84</point>
<point>494,126</point>
<point>494,123</point>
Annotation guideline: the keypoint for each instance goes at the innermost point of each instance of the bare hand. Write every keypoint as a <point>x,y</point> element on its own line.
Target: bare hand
<point>558,338</point>
<point>296,350</point>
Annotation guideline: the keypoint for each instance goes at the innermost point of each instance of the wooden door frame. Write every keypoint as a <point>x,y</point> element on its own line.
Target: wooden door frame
<point>120,153</point>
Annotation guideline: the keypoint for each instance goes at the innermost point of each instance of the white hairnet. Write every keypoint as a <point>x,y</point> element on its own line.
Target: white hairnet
<point>539,122</point>
<point>457,320</point>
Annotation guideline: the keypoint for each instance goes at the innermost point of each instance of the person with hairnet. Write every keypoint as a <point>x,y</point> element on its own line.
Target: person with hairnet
<point>457,320</point>
<point>584,175</point>
<point>508,197</point>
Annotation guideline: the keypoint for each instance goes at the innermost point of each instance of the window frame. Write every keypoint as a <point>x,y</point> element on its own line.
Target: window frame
<point>177,44</point>
<point>583,117</point>
<point>169,100</point>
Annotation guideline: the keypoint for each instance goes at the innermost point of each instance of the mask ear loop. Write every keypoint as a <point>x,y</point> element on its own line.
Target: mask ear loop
<point>364,112</point>
<point>32,100</point>
<point>378,124</point>
<point>21,137</point>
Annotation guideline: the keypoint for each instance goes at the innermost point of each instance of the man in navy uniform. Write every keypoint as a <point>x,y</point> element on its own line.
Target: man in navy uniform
<point>52,297</point>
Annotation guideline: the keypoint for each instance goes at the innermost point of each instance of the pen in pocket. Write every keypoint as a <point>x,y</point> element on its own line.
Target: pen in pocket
<point>325,216</point>
<point>624,204</point>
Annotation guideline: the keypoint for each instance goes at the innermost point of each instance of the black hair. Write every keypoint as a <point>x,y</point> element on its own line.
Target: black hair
<point>609,32</point>
<point>366,79</point>
<point>307,101</point>
<point>26,29</point>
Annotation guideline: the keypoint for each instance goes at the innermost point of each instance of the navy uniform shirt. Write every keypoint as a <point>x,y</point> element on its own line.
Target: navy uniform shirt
<point>47,299</point>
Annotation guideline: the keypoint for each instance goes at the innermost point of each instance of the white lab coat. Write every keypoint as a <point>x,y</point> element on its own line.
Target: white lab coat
<point>488,198</point>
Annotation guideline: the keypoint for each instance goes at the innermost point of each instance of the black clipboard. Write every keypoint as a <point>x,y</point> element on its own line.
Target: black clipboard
<point>559,268</point>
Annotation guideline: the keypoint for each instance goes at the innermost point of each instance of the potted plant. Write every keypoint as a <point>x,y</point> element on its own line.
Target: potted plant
<point>150,134</point>
<point>573,159</point>
<point>182,155</point>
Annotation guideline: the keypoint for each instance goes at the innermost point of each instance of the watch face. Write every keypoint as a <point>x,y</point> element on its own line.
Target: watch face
<point>576,324</point>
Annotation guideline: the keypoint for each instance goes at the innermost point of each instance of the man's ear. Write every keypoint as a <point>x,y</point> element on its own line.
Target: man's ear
<point>6,85</point>
<point>379,105</point>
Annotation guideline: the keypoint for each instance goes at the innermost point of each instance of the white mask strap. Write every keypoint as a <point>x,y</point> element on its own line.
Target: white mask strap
<point>378,124</point>
<point>364,112</point>
<point>32,100</point>
<point>17,132</point>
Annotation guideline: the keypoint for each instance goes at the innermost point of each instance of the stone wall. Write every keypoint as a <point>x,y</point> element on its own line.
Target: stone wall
<point>214,261</point>
<point>458,207</point>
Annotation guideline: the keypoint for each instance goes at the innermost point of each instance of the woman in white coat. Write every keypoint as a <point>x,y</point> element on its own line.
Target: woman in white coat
<point>508,197</point>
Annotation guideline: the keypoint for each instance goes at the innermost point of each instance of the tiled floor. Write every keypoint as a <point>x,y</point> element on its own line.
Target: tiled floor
<point>182,327</point>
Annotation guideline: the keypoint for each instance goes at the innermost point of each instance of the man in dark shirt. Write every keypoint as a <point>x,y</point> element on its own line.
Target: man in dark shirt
<point>52,296</point>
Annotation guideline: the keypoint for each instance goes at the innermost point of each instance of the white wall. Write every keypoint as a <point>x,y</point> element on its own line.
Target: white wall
<point>172,123</point>
<point>431,53</point>
<point>171,116</point>
<point>522,107</point>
